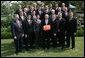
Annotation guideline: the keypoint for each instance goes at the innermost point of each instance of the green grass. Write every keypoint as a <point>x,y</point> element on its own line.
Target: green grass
<point>8,50</point>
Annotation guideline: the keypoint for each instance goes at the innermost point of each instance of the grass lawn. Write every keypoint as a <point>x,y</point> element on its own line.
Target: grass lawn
<point>8,50</point>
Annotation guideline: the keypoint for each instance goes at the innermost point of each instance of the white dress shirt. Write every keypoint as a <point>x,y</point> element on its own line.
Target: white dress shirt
<point>46,21</point>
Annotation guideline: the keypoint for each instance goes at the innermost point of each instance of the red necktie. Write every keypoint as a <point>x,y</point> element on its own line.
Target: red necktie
<point>19,24</point>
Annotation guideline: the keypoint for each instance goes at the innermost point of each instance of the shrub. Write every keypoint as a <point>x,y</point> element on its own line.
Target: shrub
<point>80,33</point>
<point>5,29</point>
<point>6,35</point>
<point>6,21</point>
<point>82,27</point>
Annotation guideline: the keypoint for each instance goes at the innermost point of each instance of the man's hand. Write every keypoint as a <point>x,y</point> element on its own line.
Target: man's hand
<point>54,34</point>
<point>58,30</point>
<point>65,32</point>
<point>22,35</point>
<point>74,33</point>
<point>15,37</point>
<point>25,35</point>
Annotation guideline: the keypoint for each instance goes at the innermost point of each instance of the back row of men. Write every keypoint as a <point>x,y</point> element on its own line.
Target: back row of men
<point>42,25</point>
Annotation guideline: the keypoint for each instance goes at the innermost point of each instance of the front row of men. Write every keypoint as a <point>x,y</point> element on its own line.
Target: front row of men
<point>39,32</point>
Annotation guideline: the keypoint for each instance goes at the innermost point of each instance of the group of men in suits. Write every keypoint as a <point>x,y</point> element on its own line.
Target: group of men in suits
<point>37,27</point>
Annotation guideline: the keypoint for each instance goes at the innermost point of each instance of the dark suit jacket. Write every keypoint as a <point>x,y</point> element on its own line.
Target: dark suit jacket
<point>30,12</point>
<point>72,25</point>
<point>54,26</point>
<point>56,11</point>
<point>32,17</point>
<point>50,17</point>
<point>16,31</point>
<point>61,25</point>
<point>21,18</point>
<point>64,16</point>
<point>28,27</point>
<point>45,13</point>
<point>41,15</point>
<point>36,26</point>
<point>17,12</point>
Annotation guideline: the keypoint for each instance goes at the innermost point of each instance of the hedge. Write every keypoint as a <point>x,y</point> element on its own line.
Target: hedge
<point>80,33</point>
<point>6,35</point>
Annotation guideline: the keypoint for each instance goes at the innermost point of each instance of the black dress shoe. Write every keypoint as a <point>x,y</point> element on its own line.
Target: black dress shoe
<point>20,51</point>
<point>54,46</point>
<point>16,53</point>
<point>73,48</point>
<point>62,48</point>
<point>47,48</point>
<point>27,49</point>
<point>43,48</point>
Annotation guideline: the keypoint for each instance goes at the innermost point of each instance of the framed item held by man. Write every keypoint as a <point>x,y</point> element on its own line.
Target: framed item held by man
<point>46,27</point>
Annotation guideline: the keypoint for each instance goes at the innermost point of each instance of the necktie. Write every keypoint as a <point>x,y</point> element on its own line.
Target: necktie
<point>19,25</point>
<point>70,20</point>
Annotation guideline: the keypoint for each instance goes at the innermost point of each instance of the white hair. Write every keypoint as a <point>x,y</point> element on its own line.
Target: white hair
<point>25,9</point>
<point>47,15</point>
<point>52,10</point>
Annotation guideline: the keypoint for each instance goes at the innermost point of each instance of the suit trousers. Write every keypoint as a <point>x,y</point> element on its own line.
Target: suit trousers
<point>61,37</point>
<point>36,40</point>
<point>46,40</point>
<point>26,41</point>
<point>54,40</point>
<point>31,38</point>
<point>18,44</point>
<point>72,36</point>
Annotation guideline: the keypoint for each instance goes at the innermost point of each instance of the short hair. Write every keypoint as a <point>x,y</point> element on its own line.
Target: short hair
<point>59,13</point>
<point>34,3</point>
<point>71,12</point>
<point>52,10</point>
<point>46,15</point>
<point>25,9</point>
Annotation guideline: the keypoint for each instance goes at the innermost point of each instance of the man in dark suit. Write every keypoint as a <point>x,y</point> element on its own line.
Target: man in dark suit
<point>36,29</point>
<point>21,17</point>
<point>46,11</point>
<point>39,11</point>
<point>18,33</point>
<point>61,30</point>
<point>26,12</point>
<point>35,6</point>
<point>71,29</point>
<point>56,8</point>
<point>63,6</point>
<point>52,13</point>
<point>33,15</point>
<point>50,8</point>
<point>31,10</point>
<point>18,10</point>
<point>29,31</point>
<point>42,6</point>
<point>54,30</point>
<point>59,10</point>
<point>46,23</point>
<point>65,14</point>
